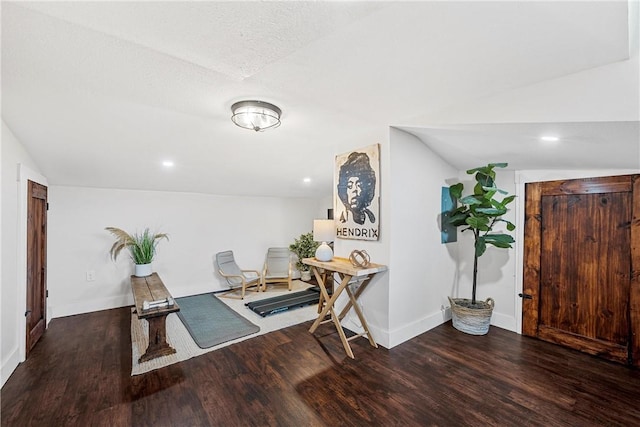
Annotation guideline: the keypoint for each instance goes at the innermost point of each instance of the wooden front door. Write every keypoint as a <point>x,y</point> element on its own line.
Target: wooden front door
<point>36,311</point>
<point>582,265</point>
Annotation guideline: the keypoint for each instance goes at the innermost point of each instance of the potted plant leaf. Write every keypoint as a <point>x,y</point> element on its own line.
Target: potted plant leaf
<point>479,213</point>
<point>304,247</point>
<point>141,246</point>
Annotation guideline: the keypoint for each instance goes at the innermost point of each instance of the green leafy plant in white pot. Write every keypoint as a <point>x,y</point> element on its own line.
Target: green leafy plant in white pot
<point>479,213</point>
<point>304,247</point>
<point>141,246</point>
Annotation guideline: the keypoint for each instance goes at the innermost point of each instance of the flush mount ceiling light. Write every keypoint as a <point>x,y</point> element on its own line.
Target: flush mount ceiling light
<point>255,115</point>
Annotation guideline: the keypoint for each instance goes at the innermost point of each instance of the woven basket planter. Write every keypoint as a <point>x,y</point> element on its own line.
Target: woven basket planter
<point>474,321</point>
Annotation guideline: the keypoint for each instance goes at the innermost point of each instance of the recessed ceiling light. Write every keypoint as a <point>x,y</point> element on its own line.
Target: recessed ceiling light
<point>549,138</point>
<point>167,164</point>
<point>306,180</point>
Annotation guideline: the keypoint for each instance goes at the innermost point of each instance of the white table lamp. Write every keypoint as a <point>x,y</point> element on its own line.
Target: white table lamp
<point>324,231</point>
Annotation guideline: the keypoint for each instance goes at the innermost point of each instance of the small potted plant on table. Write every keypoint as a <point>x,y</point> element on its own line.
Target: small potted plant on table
<point>304,247</point>
<point>142,247</point>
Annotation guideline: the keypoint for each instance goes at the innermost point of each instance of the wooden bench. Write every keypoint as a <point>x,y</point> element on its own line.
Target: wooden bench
<point>147,294</point>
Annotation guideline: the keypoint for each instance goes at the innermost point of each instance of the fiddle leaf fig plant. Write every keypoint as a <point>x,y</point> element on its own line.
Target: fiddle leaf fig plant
<point>480,212</point>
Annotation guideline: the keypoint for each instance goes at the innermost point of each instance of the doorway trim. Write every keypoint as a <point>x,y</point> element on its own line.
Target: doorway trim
<point>24,176</point>
<point>525,177</point>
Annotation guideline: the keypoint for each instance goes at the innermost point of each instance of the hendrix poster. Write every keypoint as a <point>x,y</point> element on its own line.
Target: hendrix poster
<point>357,194</point>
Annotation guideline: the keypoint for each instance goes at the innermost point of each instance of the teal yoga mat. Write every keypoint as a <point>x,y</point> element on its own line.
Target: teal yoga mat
<point>211,322</point>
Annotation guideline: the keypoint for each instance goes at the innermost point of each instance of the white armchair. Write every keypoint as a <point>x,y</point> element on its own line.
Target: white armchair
<point>278,267</point>
<point>236,277</point>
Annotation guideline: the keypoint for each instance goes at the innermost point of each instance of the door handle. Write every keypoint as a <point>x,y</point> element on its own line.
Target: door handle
<point>525,296</point>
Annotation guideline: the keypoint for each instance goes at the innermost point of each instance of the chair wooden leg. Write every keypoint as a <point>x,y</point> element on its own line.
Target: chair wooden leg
<point>225,294</point>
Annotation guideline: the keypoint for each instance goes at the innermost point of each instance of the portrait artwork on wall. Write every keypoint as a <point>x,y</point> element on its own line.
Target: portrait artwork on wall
<point>357,194</point>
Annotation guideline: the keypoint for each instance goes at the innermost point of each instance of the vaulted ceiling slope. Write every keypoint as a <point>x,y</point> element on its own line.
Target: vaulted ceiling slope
<point>100,93</point>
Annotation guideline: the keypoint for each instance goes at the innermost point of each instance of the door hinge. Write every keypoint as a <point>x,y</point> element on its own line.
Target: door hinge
<point>525,296</point>
<point>47,205</point>
<point>26,313</point>
<point>47,293</point>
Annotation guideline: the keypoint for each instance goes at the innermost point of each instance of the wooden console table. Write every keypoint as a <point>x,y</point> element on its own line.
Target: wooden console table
<point>346,271</point>
<point>149,289</point>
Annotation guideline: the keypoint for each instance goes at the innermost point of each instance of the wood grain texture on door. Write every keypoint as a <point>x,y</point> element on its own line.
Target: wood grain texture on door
<point>36,310</point>
<point>579,263</point>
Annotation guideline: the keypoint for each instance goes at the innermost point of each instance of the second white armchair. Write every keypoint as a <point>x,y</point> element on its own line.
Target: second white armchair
<point>278,267</point>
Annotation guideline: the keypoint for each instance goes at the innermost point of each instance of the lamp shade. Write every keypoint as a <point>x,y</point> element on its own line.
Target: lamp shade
<point>255,115</point>
<point>324,231</point>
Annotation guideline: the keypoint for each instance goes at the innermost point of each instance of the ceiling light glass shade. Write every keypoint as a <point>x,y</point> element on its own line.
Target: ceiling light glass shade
<point>255,115</point>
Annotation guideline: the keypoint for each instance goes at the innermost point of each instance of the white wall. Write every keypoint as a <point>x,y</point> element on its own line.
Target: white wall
<point>422,269</point>
<point>198,225</point>
<point>12,289</point>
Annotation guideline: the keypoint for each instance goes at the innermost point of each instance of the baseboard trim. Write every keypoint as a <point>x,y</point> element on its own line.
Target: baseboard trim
<point>9,365</point>
<point>391,338</point>
<point>504,321</point>
<point>88,306</point>
<point>420,326</point>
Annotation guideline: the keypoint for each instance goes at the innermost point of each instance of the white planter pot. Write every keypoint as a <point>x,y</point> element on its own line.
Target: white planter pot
<point>305,275</point>
<point>143,270</point>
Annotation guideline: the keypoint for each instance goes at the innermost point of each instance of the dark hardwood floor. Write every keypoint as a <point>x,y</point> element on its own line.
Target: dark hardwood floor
<point>79,375</point>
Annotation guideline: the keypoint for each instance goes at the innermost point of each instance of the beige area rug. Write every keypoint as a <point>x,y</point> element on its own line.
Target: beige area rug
<point>186,348</point>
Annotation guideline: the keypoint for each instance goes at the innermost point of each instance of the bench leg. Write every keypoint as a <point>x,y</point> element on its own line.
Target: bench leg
<point>158,345</point>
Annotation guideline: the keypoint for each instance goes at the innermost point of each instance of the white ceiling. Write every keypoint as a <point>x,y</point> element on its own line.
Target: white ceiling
<point>100,93</point>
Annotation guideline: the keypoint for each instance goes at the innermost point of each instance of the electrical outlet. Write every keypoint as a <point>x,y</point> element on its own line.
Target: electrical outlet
<point>91,275</point>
